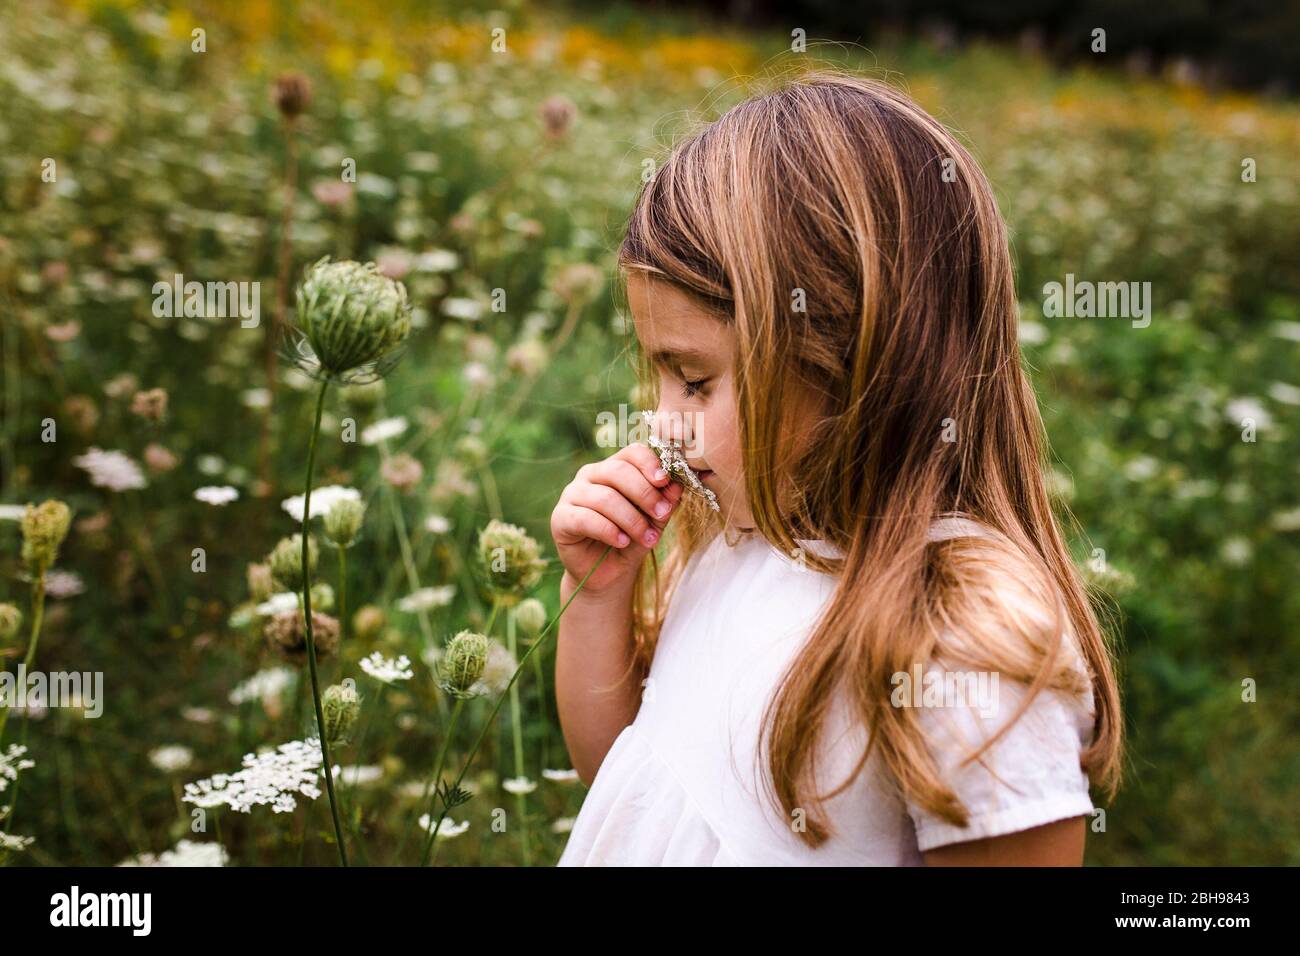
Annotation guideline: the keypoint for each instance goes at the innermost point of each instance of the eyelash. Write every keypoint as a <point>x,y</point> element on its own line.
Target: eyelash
<point>692,389</point>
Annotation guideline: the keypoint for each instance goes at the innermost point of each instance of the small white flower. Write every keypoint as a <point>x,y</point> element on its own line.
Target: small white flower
<point>256,398</point>
<point>216,494</point>
<point>278,603</point>
<point>1240,409</point>
<point>187,853</point>
<point>461,308</point>
<point>427,598</point>
<point>448,828</point>
<point>519,785</point>
<point>385,669</point>
<point>357,776</point>
<point>171,757</point>
<point>198,715</point>
<point>477,375</point>
<point>11,762</point>
<point>1285,393</point>
<point>383,430</point>
<point>561,776</point>
<point>13,842</point>
<point>322,500</point>
<point>562,825</point>
<point>113,470</point>
<point>272,778</point>
<point>437,260</point>
<point>63,584</point>
<point>263,685</point>
<point>1236,551</point>
<point>12,512</point>
<point>437,524</point>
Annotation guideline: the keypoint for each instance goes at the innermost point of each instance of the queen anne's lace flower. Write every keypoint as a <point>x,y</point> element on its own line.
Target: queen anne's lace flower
<point>322,500</point>
<point>387,670</point>
<point>171,757</point>
<point>216,494</point>
<point>674,462</point>
<point>113,470</point>
<point>426,599</point>
<point>264,684</point>
<point>383,430</point>
<point>11,762</point>
<point>519,785</point>
<point>186,853</point>
<point>560,776</point>
<point>267,779</point>
<point>448,827</point>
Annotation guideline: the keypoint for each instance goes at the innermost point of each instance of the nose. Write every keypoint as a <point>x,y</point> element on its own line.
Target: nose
<point>683,428</point>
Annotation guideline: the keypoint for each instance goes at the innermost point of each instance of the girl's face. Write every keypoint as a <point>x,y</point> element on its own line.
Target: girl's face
<point>692,353</point>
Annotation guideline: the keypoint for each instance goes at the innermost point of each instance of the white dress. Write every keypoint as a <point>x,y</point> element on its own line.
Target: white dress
<point>679,786</point>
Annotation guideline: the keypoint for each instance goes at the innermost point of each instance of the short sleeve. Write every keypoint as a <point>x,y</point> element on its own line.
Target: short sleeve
<point>1032,775</point>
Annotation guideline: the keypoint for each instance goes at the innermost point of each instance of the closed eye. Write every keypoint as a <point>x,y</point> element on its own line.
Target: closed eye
<point>691,389</point>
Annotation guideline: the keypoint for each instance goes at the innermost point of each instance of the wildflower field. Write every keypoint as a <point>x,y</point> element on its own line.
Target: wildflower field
<point>164,209</point>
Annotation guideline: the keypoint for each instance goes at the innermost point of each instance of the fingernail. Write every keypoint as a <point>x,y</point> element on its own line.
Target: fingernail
<point>650,537</point>
<point>623,539</point>
<point>662,509</point>
<point>660,475</point>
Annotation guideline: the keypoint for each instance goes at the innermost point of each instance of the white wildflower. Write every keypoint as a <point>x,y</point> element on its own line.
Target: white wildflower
<point>448,828</point>
<point>385,669</point>
<point>1240,409</point>
<point>271,778</point>
<point>211,464</point>
<point>562,824</point>
<point>383,430</point>
<point>357,776</point>
<point>1285,393</point>
<point>461,308</point>
<point>113,470</point>
<point>11,762</point>
<point>171,757</point>
<point>186,853</point>
<point>561,776</point>
<point>278,603</point>
<point>674,462</point>
<point>322,500</point>
<point>427,598</point>
<point>499,668</point>
<point>267,683</point>
<point>519,785</point>
<point>198,715</point>
<point>13,842</point>
<point>216,494</point>
<point>12,512</point>
<point>63,584</point>
<point>437,524</point>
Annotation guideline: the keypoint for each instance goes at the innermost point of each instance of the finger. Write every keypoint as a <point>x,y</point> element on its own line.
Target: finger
<point>616,508</point>
<point>585,523</point>
<point>627,478</point>
<point>646,461</point>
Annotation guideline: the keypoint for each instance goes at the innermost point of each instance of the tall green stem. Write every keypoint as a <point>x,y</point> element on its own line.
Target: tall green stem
<point>343,596</point>
<point>311,639</point>
<point>517,735</point>
<point>514,677</point>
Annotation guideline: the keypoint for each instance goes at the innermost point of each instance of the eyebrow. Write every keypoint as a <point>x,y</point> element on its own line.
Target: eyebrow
<point>678,356</point>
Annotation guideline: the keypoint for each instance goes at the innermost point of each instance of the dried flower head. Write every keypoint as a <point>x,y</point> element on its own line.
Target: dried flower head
<point>352,321</point>
<point>343,522</point>
<point>260,581</point>
<point>287,635</point>
<point>291,93</point>
<point>557,114</point>
<point>368,621</point>
<point>44,527</point>
<point>461,665</point>
<point>508,561</point>
<point>286,561</point>
<point>402,471</point>
<point>674,462</point>
<point>151,405</point>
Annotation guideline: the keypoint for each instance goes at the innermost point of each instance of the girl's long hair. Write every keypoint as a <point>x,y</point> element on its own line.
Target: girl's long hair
<point>857,251</point>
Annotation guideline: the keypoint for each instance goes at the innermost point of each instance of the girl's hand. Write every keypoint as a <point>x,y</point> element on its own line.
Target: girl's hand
<point>619,501</point>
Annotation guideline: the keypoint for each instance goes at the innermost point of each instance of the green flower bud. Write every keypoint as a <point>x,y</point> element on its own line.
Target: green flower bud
<point>462,663</point>
<point>322,597</point>
<point>44,528</point>
<point>11,619</point>
<point>351,315</point>
<point>260,583</point>
<point>340,704</point>
<point>343,522</point>
<point>286,562</point>
<point>508,561</point>
<point>530,615</point>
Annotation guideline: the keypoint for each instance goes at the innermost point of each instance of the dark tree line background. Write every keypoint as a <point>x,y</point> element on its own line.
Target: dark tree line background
<point>1241,43</point>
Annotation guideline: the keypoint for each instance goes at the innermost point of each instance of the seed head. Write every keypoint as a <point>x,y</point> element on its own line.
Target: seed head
<point>461,665</point>
<point>340,705</point>
<point>343,522</point>
<point>286,562</point>
<point>509,562</point>
<point>44,527</point>
<point>352,321</point>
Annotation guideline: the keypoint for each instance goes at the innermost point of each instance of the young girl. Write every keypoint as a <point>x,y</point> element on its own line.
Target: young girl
<point>877,651</point>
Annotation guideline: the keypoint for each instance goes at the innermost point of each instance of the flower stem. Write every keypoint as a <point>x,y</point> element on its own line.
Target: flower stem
<point>516,732</point>
<point>514,677</point>
<point>343,596</point>
<point>311,640</point>
<point>437,775</point>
